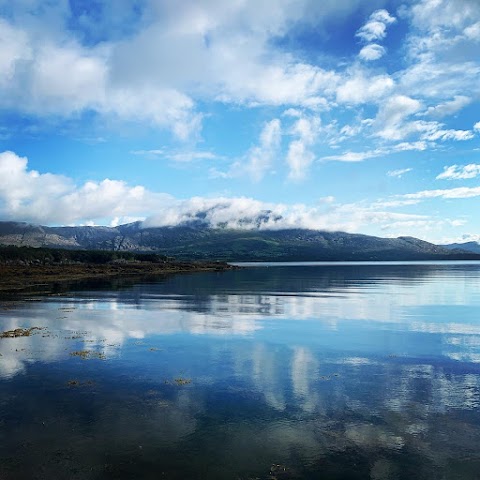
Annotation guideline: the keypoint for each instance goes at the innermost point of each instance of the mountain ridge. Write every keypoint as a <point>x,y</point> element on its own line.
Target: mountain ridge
<point>473,247</point>
<point>195,240</point>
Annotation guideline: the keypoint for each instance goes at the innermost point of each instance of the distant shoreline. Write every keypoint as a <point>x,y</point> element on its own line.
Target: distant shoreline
<point>21,279</point>
<point>352,263</point>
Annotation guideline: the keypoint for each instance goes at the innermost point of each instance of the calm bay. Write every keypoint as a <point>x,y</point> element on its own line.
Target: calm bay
<point>331,371</point>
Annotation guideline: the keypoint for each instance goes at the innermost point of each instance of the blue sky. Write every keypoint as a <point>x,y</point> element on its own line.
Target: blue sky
<point>354,115</point>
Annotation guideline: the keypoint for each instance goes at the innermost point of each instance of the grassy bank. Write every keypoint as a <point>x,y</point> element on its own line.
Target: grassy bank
<point>27,269</point>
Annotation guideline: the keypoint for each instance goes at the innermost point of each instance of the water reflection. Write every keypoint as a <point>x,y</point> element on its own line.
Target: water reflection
<point>353,372</point>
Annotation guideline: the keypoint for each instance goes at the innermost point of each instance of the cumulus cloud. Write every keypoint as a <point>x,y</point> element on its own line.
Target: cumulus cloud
<point>392,114</point>
<point>14,48</point>
<point>261,157</point>
<point>249,213</point>
<point>54,199</point>
<point>393,122</point>
<point>299,155</point>
<point>361,87</point>
<point>459,172</point>
<point>450,107</point>
<point>436,15</point>
<point>154,72</point>
<point>50,79</point>
<point>213,50</point>
<point>28,195</point>
<point>372,51</point>
<point>374,30</point>
<point>435,132</point>
<point>442,50</point>
<point>376,26</point>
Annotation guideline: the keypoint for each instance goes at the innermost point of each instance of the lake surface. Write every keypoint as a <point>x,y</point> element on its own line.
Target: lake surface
<point>349,371</point>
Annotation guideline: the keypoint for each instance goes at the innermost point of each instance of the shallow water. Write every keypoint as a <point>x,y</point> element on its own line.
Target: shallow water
<point>320,371</point>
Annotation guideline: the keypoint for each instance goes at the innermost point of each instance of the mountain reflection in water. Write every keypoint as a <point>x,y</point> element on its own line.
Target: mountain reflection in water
<point>352,371</point>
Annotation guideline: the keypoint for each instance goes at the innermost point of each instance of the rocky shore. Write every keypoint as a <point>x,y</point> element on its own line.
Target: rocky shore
<point>20,278</point>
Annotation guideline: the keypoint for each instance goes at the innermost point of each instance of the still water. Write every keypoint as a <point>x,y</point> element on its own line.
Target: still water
<point>289,372</point>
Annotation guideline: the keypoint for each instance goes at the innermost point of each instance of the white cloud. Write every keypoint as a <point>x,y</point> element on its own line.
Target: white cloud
<point>361,156</point>
<point>13,49</point>
<point>44,78</point>
<point>46,198</point>
<point>459,192</point>
<point>399,173</point>
<point>160,107</point>
<point>434,132</point>
<point>392,123</point>
<point>440,79</point>
<point>176,156</point>
<point>249,213</point>
<point>354,156</point>
<point>27,195</point>
<point>392,114</point>
<point>299,155</point>
<point>472,32</point>
<point>361,87</point>
<point>376,27</point>
<point>261,157</point>
<point>371,52</point>
<point>435,15</point>
<point>221,51</point>
<point>382,204</point>
<point>466,237</point>
<point>425,225</point>
<point>408,146</point>
<point>67,79</point>
<point>449,108</point>
<point>459,172</point>
<point>152,153</point>
<point>191,156</point>
<point>442,50</point>
<point>217,51</point>
<point>476,127</point>
<point>153,75</point>
<point>292,112</point>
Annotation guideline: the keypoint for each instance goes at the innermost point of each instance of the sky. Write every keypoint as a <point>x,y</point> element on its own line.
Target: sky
<point>346,115</point>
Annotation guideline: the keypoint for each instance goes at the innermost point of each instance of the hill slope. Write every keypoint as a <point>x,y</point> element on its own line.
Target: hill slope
<point>473,247</point>
<point>197,241</point>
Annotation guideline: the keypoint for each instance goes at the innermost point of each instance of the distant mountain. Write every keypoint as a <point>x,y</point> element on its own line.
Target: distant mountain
<point>473,247</point>
<point>195,240</point>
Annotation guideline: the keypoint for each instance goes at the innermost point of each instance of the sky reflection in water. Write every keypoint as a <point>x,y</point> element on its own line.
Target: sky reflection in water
<point>333,371</point>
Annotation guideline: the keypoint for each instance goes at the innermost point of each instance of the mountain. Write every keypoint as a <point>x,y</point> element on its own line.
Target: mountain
<point>195,240</point>
<point>473,247</point>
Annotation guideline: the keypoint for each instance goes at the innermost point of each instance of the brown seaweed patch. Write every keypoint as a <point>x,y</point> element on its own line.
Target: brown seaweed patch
<point>20,332</point>
<point>88,354</point>
<point>78,383</point>
<point>179,381</point>
<point>281,472</point>
<point>182,381</point>
<point>328,377</point>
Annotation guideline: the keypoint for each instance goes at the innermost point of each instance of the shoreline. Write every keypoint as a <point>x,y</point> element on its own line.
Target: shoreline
<point>21,279</point>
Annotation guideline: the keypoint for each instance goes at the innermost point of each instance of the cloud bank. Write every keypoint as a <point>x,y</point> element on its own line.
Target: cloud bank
<point>28,195</point>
